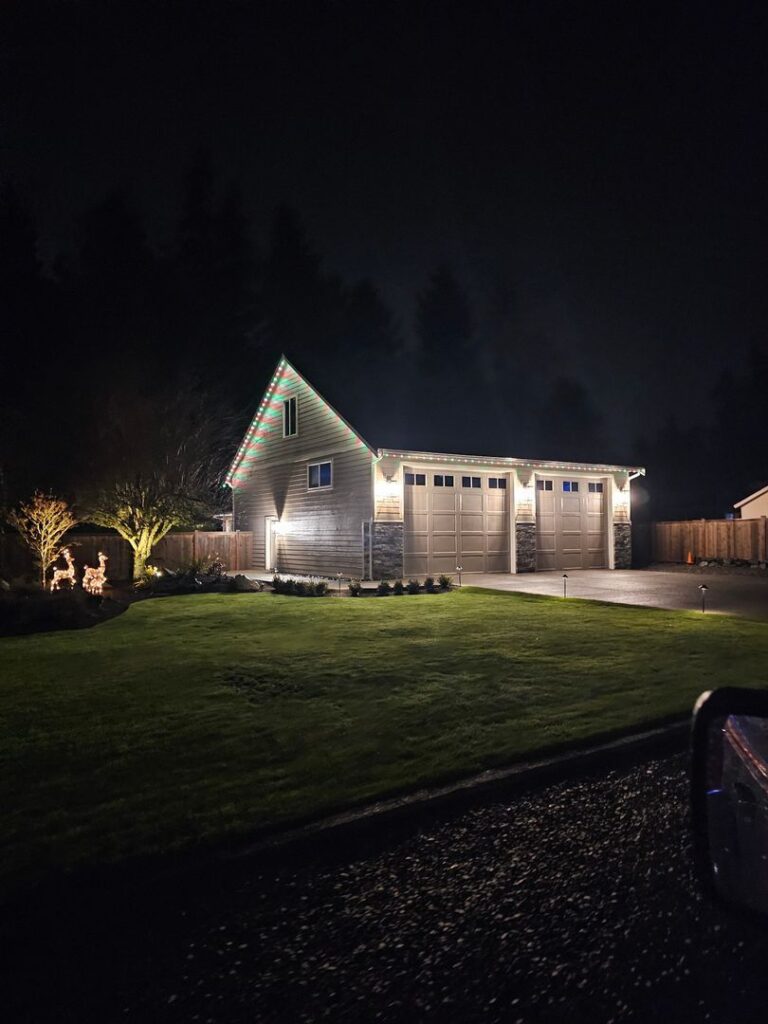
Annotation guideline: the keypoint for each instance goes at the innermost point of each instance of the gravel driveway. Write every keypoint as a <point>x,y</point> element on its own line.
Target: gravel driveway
<point>730,594</point>
<point>575,903</point>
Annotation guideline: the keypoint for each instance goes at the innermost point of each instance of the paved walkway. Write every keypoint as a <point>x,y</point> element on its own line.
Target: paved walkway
<point>733,595</point>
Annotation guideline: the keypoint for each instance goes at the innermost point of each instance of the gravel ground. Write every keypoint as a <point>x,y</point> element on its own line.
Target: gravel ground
<point>574,903</point>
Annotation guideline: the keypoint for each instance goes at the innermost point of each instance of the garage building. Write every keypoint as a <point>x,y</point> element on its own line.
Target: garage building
<point>321,500</point>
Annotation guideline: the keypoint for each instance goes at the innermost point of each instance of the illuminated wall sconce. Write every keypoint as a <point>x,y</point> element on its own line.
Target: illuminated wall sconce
<point>280,528</point>
<point>387,488</point>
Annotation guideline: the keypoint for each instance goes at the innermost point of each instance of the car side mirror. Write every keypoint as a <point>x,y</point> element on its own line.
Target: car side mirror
<point>729,795</point>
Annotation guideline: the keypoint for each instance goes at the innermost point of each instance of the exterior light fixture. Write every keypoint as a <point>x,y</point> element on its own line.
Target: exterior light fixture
<point>458,570</point>
<point>339,575</point>
<point>703,588</point>
<point>565,584</point>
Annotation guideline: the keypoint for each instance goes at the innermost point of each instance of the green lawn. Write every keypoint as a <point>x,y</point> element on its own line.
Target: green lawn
<point>195,718</point>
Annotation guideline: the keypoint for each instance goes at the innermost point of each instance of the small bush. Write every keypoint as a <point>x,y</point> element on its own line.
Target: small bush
<point>299,588</point>
<point>413,587</point>
<point>398,589</point>
<point>429,585</point>
<point>355,588</point>
<point>445,582</point>
<point>384,588</point>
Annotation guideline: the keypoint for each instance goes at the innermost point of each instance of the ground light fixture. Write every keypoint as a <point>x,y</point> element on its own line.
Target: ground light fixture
<point>339,576</point>
<point>703,588</point>
<point>458,570</point>
<point>565,584</point>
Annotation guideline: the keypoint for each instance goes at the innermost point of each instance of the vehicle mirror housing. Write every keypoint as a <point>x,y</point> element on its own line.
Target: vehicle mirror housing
<point>729,796</point>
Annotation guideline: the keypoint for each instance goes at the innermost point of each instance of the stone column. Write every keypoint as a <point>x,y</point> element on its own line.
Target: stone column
<point>387,550</point>
<point>525,546</point>
<point>622,545</point>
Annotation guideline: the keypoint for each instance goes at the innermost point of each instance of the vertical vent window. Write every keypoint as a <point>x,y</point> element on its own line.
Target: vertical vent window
<point>290,425</point>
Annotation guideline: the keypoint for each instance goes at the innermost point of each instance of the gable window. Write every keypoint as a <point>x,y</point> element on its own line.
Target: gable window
<point>290,423</point>
<point>571,485</point>
<point>497,481</point>
<point>443,481</point>
<point>595,488</point>
<point>319,474</point>
<point>543,485</point>
<point>470,481</point>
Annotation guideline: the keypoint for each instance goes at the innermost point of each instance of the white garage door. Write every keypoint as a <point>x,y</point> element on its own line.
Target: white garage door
<point>456,519</point>
<point>570,524</point>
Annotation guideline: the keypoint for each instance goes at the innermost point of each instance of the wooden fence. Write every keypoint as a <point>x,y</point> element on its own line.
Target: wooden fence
<point>696,539</point>
<point>176,549</point>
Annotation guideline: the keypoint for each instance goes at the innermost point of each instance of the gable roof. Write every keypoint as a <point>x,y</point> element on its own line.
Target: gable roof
<point>283,367</point>
<point>751,497</point>
<point>364,405</point>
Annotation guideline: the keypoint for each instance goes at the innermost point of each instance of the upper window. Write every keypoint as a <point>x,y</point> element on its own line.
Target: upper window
<point>595,488</point>
<point>571,485</point>
<point>470,481</point>
<point>497,481</point>
<point>319,474</point>
<point>441,480</point>
<point>290,424</point>
<point>543,485</point>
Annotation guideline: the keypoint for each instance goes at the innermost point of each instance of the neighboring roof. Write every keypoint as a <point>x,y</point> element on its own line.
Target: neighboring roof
<point>283,364</point>
<point>751,497</point>
<point>495,460</point>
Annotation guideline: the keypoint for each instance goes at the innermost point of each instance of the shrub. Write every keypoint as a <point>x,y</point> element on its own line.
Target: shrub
<point>445,582</point>
<point>300,588</point>
<point>384,588</point>
<point>355,588</point>
<point>413,587</point>
<point>398,588</point>
<point>429,585</point>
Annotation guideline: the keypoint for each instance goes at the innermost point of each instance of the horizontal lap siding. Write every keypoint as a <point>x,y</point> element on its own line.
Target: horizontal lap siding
<point>324,527</point>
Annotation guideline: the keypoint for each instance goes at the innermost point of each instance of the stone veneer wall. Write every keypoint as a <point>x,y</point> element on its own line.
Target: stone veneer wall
<point>387,541</point>
<point>622,545</point>
<point>525,545</point>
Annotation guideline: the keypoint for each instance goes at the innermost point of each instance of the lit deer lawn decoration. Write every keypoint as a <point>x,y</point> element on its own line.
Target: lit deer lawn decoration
<point>95,578</point>
<point>68,574</point>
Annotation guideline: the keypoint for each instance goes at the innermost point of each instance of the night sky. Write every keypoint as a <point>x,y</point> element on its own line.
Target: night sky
<point>599,171</point>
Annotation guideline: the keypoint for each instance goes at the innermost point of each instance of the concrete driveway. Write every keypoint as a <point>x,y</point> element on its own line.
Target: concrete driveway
<point>731,595</point>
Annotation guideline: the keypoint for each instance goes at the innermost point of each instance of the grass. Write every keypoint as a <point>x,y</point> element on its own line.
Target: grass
<point>195,719</point>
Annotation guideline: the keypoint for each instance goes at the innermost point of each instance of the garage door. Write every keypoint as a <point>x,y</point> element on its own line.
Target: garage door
<point>456,519</point>
<point>570,524</point>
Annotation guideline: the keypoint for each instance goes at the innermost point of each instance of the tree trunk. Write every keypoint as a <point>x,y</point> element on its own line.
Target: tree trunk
<point>141,553</point>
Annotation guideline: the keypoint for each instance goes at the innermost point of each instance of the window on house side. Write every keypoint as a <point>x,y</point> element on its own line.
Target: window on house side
<point>290,426</point>
<point>319,474</point>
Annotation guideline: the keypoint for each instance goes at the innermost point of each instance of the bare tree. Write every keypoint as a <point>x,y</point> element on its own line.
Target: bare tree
<point>166,456</point>
<point>42,523</point>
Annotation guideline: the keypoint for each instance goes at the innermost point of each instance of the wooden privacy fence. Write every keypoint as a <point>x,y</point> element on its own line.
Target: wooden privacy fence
<point>697,539</point>
<point>174,550</point>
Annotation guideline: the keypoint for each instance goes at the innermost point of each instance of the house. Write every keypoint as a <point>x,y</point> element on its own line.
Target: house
<point>754,506</point>
<point>320,499</point>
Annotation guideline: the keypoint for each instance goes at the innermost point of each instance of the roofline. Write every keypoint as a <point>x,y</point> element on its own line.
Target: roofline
<point>751,497</point>
<point>282,364</point>
<point>496,460</point>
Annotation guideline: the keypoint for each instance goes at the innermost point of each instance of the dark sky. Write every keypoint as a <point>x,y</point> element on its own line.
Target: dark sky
<point>604,169</point>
